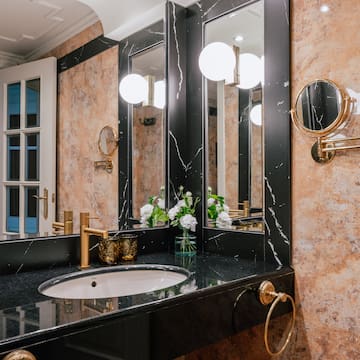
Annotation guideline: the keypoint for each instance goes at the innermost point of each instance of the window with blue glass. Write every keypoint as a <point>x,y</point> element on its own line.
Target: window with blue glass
<point>12,208</point>
<point>13,106</point>
<point>32,157</point>
<point>31,210</point>
<point>13,157</point>
<point>32,103</point>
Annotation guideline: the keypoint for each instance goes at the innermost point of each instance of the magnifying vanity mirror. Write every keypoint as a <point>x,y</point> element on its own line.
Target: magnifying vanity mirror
<point>108,141</point>
<point>234,122</point>
<point>321,110</point>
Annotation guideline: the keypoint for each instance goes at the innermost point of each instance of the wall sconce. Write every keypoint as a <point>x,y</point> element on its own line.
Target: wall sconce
<point>219,61</point>
<point>136,89</point>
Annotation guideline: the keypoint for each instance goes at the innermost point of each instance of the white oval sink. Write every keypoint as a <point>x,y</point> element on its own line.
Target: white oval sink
<point>113,281</point>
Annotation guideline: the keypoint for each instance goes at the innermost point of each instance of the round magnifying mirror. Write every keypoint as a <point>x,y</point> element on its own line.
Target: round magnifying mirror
<point>108,141</point>
<point>320,108</point>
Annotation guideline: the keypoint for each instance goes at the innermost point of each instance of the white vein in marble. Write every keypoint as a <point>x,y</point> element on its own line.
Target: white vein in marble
<point>274,252</point>
<point>181,76</point>
<point>268,186</point>
<point>286,12</point>
<point>278,226</point>
<point>211,7</point>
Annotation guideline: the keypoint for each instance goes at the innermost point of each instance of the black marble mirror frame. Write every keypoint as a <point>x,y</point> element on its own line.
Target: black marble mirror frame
<point>132,45</point>
<point>186,35</point>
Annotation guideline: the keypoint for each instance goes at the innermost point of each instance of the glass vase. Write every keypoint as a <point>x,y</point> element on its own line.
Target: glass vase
<point>185,244</point>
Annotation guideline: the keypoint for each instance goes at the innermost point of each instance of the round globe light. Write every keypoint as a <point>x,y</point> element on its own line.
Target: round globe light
<point>256,115</point>
<point>159,94</point>
<point>251,70</point>
<point>133,88</point>
<point>217,61</point>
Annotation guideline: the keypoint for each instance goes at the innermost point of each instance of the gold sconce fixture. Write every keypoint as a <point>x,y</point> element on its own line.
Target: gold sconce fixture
<point>107,144</point>
<point>268,295</point>
<point>321,110</point>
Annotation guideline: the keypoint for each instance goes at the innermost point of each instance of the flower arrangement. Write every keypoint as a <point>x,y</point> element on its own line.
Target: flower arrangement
<point>218,211</point>
<point>154,211</point>
<point>182,216</point>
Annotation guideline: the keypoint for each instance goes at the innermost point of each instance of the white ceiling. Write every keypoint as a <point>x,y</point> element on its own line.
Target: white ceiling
<point>30,28</point>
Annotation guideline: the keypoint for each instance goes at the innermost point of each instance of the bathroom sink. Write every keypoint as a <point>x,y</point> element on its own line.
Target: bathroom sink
<point>113,281</point>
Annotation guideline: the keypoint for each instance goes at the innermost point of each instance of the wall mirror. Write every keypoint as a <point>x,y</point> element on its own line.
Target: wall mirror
<point>321,110</point>
<point>143,68</point>
<point>234,122</point>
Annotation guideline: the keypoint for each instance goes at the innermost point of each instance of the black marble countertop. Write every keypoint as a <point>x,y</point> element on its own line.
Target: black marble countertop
<point>26,314</point>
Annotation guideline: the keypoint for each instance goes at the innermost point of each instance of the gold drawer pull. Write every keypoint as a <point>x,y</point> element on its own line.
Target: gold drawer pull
<point>267,294</point>
<point>20,355</point>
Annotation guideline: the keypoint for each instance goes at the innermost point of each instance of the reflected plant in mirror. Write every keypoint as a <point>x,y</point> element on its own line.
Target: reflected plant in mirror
<point>154,213</point>
<point>234,117</point>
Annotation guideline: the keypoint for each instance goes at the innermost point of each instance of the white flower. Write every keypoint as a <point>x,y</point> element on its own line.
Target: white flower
<point>211,201</point>
<point>223,220</point>
<point>188,193</point>
<point>180,203</point>
<point>146,211</point>
<point>173,212</point>
<point>226,208</point>
<point>161,203</point>
<point>188,222</point>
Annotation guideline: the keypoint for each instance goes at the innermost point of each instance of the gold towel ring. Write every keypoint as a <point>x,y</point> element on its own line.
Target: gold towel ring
<point>20,355</point>
<point>266,295</point>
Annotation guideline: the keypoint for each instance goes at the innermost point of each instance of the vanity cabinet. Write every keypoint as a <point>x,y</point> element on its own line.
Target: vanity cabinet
<point>163,329</point>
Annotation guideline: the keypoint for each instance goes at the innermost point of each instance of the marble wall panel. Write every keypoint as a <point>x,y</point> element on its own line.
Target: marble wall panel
<point>88,101</point>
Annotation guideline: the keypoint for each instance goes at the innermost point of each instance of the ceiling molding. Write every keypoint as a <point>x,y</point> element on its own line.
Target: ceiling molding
<point>8,59</point>
<point>137,23</point>
<point>61,38</point>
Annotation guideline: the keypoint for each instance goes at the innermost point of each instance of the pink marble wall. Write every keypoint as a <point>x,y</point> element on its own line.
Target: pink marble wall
<point>87,102</point>
<point>326,198</point>
<point>257,166</point>
<point>148,156</point>
<point>231,146</point>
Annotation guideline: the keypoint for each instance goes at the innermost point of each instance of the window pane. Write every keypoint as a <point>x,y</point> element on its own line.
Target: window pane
<point>13,106</point>
<point>12,209</point>
<point>31,210</point>
<point>33,103</point>
<point>13,160</point>
<point>32,157</point>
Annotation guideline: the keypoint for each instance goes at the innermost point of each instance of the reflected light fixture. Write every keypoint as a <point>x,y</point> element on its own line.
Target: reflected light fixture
<point>159,94</point>
<point>251,71</point>
<point>324,8</point>
<point>238,38</point>
<point>133,88</point>
<point>256,115</point>
<point>216,61</point>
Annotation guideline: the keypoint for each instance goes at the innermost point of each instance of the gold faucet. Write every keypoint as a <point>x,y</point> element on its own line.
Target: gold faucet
<point>246,208</point>
<point>67,225</point>
<point>85,232</point>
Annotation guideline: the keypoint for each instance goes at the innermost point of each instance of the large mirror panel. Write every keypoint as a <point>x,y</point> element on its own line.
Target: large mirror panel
<point>143,174</point>
<point>234,121</point>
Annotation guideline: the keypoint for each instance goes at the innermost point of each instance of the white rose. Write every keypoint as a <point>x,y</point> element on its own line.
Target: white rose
<point>173,212</point>
<point>161,203</point>
<point>188,222</point>
<point>180,203</point>
<point>211,201</point>
<point>223,220</point>
<point>146,211</point>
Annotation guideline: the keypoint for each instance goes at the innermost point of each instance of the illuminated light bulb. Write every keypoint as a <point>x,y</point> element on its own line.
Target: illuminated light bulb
<point>256,115</point>
<point>159,94</point>
<point>251,71</point>
<point>324,8</point>
<point>217,61</point>
<point>133,88</point>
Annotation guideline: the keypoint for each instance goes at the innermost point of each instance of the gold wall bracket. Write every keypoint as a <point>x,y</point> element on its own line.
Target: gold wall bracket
<point>324,149</point>
<point>107,165</point>
<point>268,295</point>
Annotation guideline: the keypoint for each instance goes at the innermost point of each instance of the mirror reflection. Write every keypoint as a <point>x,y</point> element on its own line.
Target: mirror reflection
<point>318,106</point>
<point>148,134</point>
<point>234,122</point>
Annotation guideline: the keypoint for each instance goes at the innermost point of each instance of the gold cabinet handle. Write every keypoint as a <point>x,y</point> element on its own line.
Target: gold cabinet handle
<point>45,197</point>
<point>20,355</point>
<point>267,294</point>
